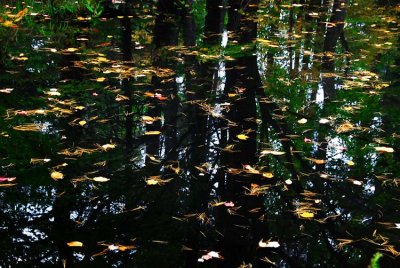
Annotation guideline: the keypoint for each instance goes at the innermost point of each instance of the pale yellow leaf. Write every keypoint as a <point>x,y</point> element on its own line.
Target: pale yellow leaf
<point>302,121</point>
<point>100,179</point>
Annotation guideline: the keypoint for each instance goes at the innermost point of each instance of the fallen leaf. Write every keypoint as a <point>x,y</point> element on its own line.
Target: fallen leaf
<point>302,121</point>
<point>108,146</point>
<point>265,152</point>
<point>55,175</point>
<point>350,163</point>
<point>268,244</point>
<point>384,149</point>
<point>100,179</point>
<point>82,123</point>
<point>154,132</point>
<point>100,79</point>
<point>307,215</point>
<point>75,244</point>
<point>324,121</point>
<point>242,137</point>
<point>288,181</point>
<point>268,175</point>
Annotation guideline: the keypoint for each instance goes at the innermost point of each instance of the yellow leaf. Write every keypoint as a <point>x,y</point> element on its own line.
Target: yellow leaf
<point>152,182</point>
<point>71,49</point>
<point>268,175</point>
<point>100,79</point>
<point>242,137</point>
<point>231,95</point>
<point>55,175</point>
<point>8,23</point>
<point>154,132</point>
<point>82,123</point>
<point>100,179</point>
<point>307,215</point>
<point>75,244</point>
<point>384,149</point>
<point>350,163</point>
<point>79,108</point>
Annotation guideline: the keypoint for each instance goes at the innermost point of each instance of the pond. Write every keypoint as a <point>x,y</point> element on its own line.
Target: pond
<point>200,133</point>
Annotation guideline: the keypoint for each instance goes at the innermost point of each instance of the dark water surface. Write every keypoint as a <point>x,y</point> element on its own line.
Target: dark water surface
<point>211,134</point>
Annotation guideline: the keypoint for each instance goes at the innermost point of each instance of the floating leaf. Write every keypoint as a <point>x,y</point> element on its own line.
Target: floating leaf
<point>265,152</point>
<point>268,244</point>
<point>55,175</point>
<point>108,146</point>
<point>100,179</point>
<point>345,127</point>
<point>154,132</point>
<point>384,149</point>
<point>324,121</point>
<point>268,175</point>
<point>307,215</point>
<point>71,49</point>
<point>317,161</point>
<point>75,244</point>
<point>152,182</point>
<point>350,163</point>
<point>242,137</point>
<point>302,121</point>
